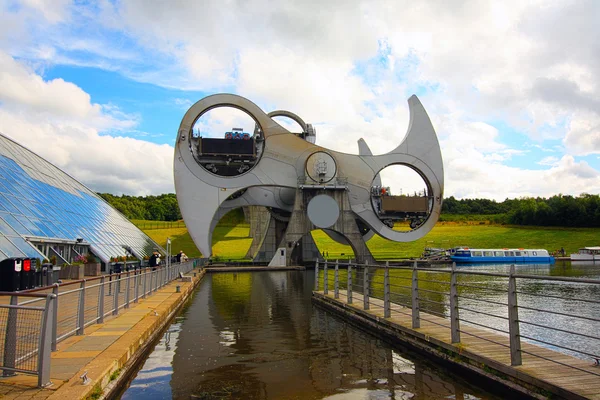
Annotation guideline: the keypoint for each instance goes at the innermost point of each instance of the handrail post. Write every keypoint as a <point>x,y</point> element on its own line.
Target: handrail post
<point>416,318</point>
<point>81,310</point>
<point>317,276</point>
<point>336,281</point>
<point>513,320</point>
<point>101,301</point>
<point>454,318</point>
<point>387,309</point>
<point>136,290</point>
<point>366,287</point>
<point>127,286</point>
<point>144,285</point>
<point>55,317</point>
<point>116,290</point>
<point>45,341</point>
<point>325,280</point>
<point>10,339</point>
<point>349,290</point>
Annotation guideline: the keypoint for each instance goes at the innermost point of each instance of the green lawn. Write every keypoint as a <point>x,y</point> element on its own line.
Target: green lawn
<point>229,242</point>
<point>232,242</point>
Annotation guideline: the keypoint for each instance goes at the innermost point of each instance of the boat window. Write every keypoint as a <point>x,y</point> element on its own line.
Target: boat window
<point>525,254</point>
<point>499,253</point>
<point>518,253</point>
<point>535,253</point>
<point>477,254</point>
<point>509,253</point>
<point>488,253</point>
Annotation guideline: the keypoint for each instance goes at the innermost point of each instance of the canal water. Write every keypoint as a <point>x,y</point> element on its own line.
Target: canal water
<point>259,336</point>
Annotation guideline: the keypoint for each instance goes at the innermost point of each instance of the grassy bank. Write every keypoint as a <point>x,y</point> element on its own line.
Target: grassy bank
<point>232,241</point>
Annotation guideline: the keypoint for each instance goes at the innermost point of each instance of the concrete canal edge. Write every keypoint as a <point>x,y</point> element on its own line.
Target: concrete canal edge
<point>504,377</point>
<point>112,368</point>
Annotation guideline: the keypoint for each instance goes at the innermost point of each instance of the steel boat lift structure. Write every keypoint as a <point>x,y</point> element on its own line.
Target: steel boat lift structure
<point>299,185</point>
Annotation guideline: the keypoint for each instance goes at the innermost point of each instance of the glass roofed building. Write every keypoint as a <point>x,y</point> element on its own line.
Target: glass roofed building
<point>44,212</point>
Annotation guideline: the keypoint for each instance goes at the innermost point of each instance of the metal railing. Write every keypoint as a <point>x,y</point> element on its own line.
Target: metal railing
<point>559,313</point>
<point>25,343</point>
<point>35,321</point>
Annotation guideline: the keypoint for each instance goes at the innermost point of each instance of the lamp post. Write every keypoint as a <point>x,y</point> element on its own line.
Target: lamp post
<point>168,263</point>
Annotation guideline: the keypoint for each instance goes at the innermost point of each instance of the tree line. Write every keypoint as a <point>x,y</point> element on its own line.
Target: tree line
<point>558,210</point>
<point>154,208</point>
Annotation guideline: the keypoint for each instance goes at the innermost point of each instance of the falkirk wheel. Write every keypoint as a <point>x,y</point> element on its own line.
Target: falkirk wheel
<point>289,186</point>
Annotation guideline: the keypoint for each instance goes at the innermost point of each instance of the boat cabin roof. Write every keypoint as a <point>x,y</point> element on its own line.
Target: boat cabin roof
<point>597,248</point>
<point>504,249</point>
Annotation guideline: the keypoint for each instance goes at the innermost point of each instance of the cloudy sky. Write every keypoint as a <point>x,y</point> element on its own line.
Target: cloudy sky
<point>512,88</point>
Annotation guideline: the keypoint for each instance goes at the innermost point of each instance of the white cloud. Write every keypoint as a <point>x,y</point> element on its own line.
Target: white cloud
<point>583,135</point>
<point>347,67</point>
<point>550,160</point>
<point>57,120</point>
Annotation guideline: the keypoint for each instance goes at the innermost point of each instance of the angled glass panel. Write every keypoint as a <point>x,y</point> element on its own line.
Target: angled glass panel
<point>25,210</point>
<point>9,249</point>
<point>8,205</point>
<point>35,231</point>
<point>6,229</point>
<point>14,223</point>
<point>44,228</point>
<point>25,247</point>
<point>3,186</point>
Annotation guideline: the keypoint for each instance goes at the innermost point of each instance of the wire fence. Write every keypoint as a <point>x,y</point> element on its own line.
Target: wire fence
<point>149,225</point>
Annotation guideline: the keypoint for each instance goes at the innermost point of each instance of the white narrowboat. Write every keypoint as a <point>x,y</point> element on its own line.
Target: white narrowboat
<point>587,254</point>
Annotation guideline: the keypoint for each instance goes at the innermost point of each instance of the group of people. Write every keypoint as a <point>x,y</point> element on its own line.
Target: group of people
<point>181,257</point>
<point>154,261</point>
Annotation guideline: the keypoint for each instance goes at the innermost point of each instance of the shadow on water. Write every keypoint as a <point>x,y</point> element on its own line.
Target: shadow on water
<point>258,336</point>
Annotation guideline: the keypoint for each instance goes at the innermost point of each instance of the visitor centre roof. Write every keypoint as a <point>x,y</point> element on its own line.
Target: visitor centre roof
<point>41,203</point>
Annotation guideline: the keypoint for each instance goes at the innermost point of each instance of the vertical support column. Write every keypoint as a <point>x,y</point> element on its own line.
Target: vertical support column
<point>45,341</point>
<point>136,291</point>
<point>513,320</point>
<point>336,281</point>
<point>127,286</point>
<point>366,285</point>
<point>416,318</point>
<point>454,319</point>
<point>116,291</point>
<point>349,290</point>
<point>387,309</point>
<point>81,310</point>
<point>55,317</point>
<point>145,279</point>
<point>10,340</point>
<point>325,280</point>
<point>317,276</point>
<point>101,301</point>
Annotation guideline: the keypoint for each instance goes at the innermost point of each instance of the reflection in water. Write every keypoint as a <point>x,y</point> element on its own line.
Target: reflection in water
<point>258,336</point>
